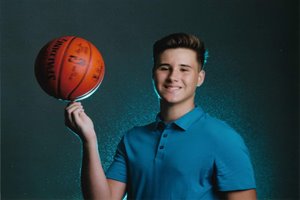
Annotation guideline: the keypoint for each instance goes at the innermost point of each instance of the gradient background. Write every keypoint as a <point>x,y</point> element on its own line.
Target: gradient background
<point>251,82</point>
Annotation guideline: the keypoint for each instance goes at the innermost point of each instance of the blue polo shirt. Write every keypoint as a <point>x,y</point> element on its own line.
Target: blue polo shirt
<point>193,157</point>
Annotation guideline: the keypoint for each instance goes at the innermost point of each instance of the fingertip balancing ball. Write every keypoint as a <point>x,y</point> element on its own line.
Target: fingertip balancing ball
<point>69,68</point>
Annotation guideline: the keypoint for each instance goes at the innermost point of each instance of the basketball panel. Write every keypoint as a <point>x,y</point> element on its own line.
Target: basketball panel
<point>74,67</point>
<point>93,77</point>
<point>48,62</point>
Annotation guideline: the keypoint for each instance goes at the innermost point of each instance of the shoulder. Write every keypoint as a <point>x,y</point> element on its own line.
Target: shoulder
<point>214,125</point>
<point>138,136</point>
<point>219,131</point>
<point>140,130</point>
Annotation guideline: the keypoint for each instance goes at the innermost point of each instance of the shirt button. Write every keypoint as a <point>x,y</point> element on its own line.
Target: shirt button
<point>161,147</point>
<point>165,135</point>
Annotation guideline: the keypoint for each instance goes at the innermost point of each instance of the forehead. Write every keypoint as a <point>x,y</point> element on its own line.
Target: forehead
<point>181,55</point>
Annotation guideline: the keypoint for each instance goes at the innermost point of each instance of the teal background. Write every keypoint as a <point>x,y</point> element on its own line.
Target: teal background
<point>251,82</point>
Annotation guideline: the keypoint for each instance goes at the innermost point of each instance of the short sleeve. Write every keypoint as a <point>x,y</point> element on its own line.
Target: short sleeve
<point>118,169</point>
<point>233,166</point>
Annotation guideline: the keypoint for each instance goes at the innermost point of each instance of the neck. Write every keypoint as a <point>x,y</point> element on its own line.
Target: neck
<point>172,112</point>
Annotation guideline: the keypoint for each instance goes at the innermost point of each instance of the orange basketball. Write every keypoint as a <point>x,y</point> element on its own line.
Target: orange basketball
<point>69,68</point>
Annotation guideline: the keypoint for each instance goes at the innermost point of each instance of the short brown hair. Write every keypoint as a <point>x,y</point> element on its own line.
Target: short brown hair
<point>180,40</point>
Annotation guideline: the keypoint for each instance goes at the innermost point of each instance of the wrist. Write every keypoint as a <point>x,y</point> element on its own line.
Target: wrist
<point>89,139</point>
<point>89,145</point>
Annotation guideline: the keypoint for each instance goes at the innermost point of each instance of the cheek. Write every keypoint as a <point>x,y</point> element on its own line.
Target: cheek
<point>155,81</point>
<point>191,81</point>
<point>158,78</point>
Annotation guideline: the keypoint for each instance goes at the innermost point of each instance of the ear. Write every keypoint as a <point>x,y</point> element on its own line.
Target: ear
<point>201,77</point>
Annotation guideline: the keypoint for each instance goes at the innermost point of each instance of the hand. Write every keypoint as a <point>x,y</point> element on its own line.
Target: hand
<point>77,120</point>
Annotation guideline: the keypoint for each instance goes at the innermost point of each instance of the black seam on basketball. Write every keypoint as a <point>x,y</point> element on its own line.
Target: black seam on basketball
<point>85,73</point>
<point>61,68</point>
<point>89,93</point>
<point>93,90</point>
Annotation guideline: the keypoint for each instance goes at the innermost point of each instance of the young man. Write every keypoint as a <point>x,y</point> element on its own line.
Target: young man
<point>183,154</point>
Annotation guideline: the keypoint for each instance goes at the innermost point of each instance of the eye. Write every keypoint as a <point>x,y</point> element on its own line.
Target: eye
<point>163,68</point>
<point>184,69</point>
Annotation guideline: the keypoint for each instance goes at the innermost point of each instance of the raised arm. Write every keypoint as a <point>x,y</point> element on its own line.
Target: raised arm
<point>93,179</point>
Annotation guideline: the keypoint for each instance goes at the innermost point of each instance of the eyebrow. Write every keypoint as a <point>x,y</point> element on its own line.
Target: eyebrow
<point>185,65</point>
<point>166,64</point>
<point>163,64</point>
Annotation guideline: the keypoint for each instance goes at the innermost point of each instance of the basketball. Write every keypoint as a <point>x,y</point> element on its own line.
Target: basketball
<point>69,68</point>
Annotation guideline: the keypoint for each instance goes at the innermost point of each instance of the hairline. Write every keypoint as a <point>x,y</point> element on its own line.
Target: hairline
<point>200,67</point>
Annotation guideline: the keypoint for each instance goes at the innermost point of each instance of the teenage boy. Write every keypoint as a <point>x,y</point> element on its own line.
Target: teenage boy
<point>184,154</point>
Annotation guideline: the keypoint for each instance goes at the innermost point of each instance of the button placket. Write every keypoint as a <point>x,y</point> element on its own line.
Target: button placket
<point>162,143</point>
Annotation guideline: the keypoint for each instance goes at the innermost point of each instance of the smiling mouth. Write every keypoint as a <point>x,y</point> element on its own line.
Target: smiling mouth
<point>172,88</point>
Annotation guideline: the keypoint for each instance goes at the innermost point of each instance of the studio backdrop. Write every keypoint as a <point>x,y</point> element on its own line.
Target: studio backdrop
<point>251,83</point>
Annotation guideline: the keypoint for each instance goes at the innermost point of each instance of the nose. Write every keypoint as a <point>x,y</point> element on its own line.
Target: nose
<point>173,75</point>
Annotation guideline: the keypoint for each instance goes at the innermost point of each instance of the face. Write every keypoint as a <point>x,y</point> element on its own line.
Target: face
<point>177,75</point>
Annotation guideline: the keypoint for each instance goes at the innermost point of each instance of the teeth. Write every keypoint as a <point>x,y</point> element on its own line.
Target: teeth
<point>172,87</point>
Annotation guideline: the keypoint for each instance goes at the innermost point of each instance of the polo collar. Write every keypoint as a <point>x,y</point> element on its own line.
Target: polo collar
<point>183,122</point>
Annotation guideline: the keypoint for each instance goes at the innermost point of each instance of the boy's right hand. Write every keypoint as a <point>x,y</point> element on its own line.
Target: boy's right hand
<point>79,122</point>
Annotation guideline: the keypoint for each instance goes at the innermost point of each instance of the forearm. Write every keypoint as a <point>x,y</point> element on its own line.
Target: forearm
<point>93,179</point>
<point>243,194</point>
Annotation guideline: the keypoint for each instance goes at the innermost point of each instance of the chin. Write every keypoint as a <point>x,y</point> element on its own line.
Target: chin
<point>169,101</point>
